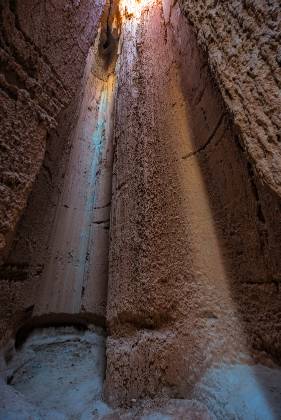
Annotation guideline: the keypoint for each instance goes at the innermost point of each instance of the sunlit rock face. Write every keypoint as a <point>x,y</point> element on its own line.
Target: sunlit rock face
<point>190,283</point>
<point>135,8</point>
<point>43,51</point>
<point>242,42</point>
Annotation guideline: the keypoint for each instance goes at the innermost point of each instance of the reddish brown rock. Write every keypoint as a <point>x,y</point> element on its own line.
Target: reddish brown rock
<point>43,57</point>
<point>190,280</point>
<point>43,51</point>
<point>242,42</point>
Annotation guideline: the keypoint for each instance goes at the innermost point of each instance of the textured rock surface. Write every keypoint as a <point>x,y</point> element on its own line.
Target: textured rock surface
<point>242,40</point>
<point>162,410</point>
<point>44,46</point>
<point>58,374</point>
<point>190,283</point>
<point>242,43</point>
<point>56,55</point>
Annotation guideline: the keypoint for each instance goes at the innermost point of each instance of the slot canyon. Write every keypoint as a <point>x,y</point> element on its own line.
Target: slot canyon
<point>140,211</point>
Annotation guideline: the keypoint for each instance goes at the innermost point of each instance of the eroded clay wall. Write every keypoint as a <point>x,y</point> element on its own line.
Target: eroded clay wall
<point>44,46</point>
<point>241,39</point>
<point>190,277</point>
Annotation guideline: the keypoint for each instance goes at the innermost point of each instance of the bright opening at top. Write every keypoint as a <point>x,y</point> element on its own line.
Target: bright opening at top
<point>134,7</point>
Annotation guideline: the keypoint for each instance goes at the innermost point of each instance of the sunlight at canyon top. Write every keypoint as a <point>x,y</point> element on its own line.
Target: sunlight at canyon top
<point>134,8</point>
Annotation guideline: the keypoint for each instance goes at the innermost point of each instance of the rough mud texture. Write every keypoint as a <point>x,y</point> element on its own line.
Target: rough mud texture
<point>162,410</point>
<point>242,39</point>
<point>44,46</point>
<point>242,42</point>
<point>189,280</point>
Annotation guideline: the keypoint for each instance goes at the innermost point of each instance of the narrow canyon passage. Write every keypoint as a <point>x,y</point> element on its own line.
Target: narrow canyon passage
<point>79,237</point>
<point>150,292</point>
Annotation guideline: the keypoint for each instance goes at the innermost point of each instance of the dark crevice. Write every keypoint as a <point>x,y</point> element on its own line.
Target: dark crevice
<point>11,77</point>
<point>10,91</point>
<point>260,214</point>
<point>103,207</point>
<point>100,222</point>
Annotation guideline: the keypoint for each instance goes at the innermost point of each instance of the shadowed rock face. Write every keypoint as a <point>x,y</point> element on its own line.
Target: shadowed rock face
<point>242,43</point>
<point>62,241</point>
<point>242,40</point>
<point>44,46</point>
